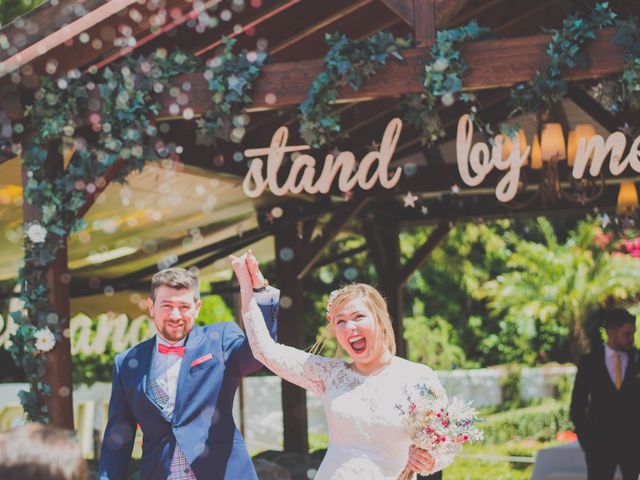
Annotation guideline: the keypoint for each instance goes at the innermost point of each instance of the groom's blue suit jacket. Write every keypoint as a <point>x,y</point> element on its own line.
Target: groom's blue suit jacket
<point>202,422</point>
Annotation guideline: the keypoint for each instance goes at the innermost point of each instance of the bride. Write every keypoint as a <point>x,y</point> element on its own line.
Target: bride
<point>366,435</point>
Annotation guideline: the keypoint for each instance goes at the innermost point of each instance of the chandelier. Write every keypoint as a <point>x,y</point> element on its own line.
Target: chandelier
<point>551,160</point>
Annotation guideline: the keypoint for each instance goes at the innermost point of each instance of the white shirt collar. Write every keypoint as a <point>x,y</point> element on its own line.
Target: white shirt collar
<point>160,340</point>
<point>610,352</point>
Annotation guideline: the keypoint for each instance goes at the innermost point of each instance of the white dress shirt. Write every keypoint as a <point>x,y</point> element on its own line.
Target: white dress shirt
<point>610,360</point>
<point>167,369</point>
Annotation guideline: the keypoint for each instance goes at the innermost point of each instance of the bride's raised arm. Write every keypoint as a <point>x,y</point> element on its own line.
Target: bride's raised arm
<point>296,366</point>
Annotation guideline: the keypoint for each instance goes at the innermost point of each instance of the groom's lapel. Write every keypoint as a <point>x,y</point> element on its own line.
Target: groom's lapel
<point>193,340</point>
<point>143,371</point>
<point>144,356</point>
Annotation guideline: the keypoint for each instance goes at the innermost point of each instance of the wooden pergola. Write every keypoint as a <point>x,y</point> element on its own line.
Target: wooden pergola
<point>294,31</point>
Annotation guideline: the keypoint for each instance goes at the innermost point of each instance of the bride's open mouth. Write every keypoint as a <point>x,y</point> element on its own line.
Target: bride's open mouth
<point>358,344</point>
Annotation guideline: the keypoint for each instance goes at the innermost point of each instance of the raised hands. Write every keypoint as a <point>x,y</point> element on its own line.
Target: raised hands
<point>247,271</point>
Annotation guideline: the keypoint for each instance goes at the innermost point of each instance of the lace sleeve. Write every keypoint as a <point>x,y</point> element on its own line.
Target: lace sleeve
<point>296,366</point>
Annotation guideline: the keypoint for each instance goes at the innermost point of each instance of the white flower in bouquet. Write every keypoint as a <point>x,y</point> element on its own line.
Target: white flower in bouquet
<point>36,233</point>
<point>437,425</point>
<point>45,340</point>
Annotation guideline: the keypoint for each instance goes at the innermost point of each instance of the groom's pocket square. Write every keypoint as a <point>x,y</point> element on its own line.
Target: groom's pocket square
<point>201,359</point>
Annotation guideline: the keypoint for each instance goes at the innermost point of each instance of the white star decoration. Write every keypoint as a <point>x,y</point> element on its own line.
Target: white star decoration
<point>410,200</point>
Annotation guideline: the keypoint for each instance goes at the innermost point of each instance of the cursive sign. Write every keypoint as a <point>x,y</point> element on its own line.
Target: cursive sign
<point>301,176</point>
<point>92,336</point>
<point>477,161</point>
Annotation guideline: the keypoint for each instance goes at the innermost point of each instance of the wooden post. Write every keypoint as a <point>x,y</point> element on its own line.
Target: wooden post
<point>291,332</point>
<point>238,314</point>
<point>384,245</point>
<point>424,22</point>
<point>58,362</point>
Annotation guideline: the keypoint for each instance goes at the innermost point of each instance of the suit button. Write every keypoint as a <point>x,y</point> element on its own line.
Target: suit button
<point>174,427</point>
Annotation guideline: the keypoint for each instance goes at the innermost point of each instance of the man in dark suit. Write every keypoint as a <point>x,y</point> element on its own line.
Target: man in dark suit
<point>605,405</point>
<point>179,388</point>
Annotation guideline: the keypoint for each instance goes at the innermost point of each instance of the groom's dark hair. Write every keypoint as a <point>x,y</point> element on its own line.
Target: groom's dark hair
<point>177,278</point>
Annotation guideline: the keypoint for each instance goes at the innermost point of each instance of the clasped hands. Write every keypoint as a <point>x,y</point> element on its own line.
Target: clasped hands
<point>247,270</point>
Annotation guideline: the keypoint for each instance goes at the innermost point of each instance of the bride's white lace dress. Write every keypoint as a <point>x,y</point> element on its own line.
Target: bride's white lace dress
<point>366,437</point>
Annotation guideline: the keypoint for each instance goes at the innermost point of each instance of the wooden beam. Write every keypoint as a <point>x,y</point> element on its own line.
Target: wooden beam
<point>291,332</point>
<point>341,217</point>
<point>42,21</point>
<point>101,184</point>
<point>383,240</point>
<point>492,64</point>
<point>592,108</point>
<point>406,9</point>
<point>421,255</point>
<point>424,22</point>
<point>318,26</point>
<point>340,256</point>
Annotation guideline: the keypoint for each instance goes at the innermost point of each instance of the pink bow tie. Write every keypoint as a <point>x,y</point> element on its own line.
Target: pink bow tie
<point>166,350</point>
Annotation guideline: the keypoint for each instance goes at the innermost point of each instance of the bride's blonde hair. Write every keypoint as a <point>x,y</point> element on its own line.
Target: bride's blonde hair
<point>373,301</point>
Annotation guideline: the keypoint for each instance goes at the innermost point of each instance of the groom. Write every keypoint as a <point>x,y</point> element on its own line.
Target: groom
<point>179,388</point>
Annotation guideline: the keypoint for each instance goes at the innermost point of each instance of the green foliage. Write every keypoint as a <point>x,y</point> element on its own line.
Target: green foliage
<point>562,388</point>
<point>541,422</point>
<point>552,287</point>
<point>214,310</point>
<point>10,9</point>
<point>230,78</point>
<point>432,340</point>
<point>450,283</point>
<point>348,62</point>
<point>442,80</point>
<point>566,50</point>
<point>628,37</point>
<point>510,387</point>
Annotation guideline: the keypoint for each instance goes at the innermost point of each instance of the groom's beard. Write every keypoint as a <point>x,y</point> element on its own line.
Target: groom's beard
<point>174,331</point>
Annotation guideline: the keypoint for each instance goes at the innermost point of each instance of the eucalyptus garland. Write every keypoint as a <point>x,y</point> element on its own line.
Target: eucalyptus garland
<point>565,51</point>
<point>628,37</point>
<point>347,62</point>
<point>230,78</point>
<point>123,117</point>
<point>442,81</point>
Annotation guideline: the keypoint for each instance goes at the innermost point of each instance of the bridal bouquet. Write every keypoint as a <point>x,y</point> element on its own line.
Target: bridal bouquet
<point>437,425</point>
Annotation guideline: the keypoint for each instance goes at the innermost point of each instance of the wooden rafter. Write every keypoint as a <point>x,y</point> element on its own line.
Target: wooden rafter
<point>336,224</point>
<point>421,255</point>
<point>596,111</point>
<point>411,10</point>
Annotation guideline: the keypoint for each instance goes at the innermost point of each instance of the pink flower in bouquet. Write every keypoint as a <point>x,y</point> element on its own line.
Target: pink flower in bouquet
<point>437,425</point>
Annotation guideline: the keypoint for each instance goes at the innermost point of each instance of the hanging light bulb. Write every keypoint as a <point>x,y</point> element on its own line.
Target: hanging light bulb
<point>523,145</point>
<point>552,144</point>
<point>627,198</point>
<point>572,147</point>
<point>536,155</point>
<point>507,145</point>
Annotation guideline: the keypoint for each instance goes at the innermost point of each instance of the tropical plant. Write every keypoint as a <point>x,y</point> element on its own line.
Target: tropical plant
<point>432,340</point>
<point>552,284</point>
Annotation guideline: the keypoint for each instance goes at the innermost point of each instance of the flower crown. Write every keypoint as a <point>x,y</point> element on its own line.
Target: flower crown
<point>332,297</point>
